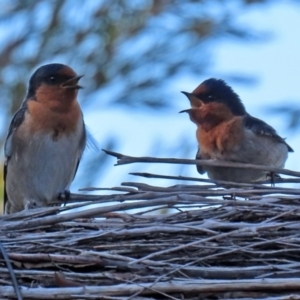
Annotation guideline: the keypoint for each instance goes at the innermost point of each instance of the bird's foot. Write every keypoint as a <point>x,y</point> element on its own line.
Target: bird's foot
<point>273,176</point>
<point>64,197</point>
<point>31,204</point>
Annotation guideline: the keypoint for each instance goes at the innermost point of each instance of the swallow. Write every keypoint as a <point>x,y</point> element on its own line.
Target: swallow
<point>45,140</point>
<point>225,131</point>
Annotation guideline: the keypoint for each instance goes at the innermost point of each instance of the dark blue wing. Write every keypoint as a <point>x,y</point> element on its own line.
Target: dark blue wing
<point>261,128</point>
<point>8,147</point>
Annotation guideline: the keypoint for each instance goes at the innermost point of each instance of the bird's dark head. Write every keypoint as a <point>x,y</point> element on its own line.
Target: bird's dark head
<point>216,90</point>
<point>53,78</point>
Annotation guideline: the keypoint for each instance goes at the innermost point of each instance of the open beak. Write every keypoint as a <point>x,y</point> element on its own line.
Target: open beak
<point>186,110</point>
<point>195,101</point>
<point>72,83</point>
<point>187,94</point>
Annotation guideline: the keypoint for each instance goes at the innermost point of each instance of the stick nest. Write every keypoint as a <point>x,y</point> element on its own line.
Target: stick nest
<point>148,242</point>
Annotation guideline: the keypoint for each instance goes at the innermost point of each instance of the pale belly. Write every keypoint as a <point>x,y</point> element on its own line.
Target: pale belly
<point>38,171</point>
<point>253,149</point>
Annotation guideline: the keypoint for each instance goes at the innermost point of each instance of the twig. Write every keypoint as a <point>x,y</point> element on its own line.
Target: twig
<point>257,184</point>
<point>125,159</point>
<point>181,286</point>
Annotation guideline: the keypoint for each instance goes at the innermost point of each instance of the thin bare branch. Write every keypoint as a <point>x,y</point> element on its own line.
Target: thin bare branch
<point>125,159</point>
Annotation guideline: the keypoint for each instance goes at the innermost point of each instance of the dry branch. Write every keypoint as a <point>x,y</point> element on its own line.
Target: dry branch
<point>218,182</point>
<point>125,159</point>
<point>174,286</point>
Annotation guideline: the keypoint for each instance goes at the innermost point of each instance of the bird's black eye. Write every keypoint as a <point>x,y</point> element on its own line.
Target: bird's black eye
<point>52,79</point>
<point>210,97</point>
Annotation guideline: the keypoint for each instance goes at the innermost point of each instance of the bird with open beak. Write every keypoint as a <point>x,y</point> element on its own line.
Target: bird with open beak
<point>45,140</point>
<point>225,131</point>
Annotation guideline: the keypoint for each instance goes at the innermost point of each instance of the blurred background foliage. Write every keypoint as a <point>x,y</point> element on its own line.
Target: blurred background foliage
<point>128,50</point>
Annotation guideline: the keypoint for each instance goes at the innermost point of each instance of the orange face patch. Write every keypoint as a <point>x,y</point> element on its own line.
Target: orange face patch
<point>55,97</point>
<point>43,119</point>
<point>195,102</point>
<point>221,138</point>
<point>210,115</point>
<point>218,129</point>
